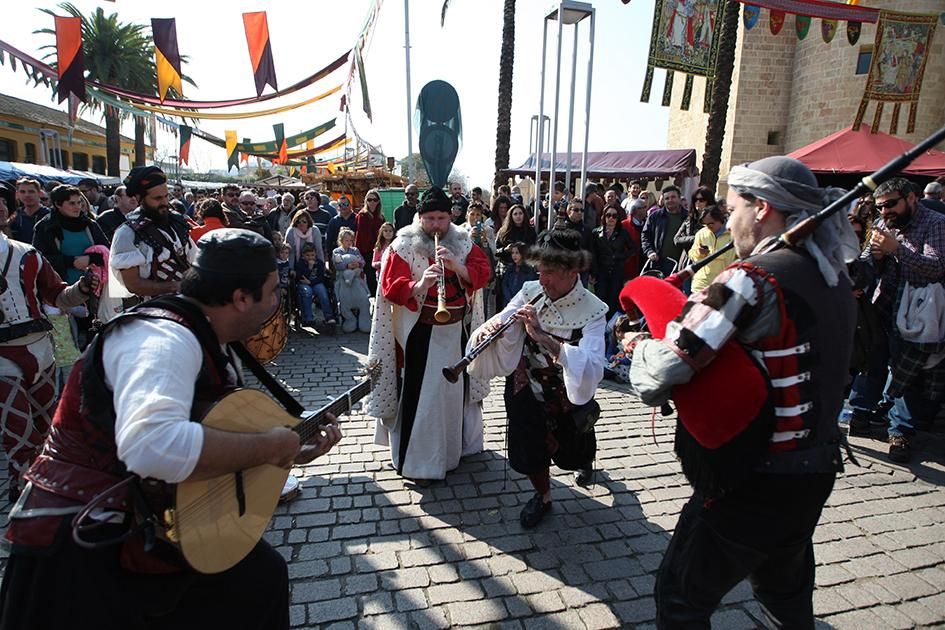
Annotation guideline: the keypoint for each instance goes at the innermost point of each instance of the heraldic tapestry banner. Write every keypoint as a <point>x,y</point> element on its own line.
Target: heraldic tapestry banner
<point>685,38</point>
<point>900,53</point>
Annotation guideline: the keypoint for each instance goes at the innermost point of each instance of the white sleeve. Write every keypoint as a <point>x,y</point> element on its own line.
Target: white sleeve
<point>501,357</point>
<point>152,366</point>
<point>123,253</point>
<point>583,364</point>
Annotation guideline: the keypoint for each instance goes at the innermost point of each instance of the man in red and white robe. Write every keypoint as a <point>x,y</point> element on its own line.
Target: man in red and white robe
<point>428,422</point>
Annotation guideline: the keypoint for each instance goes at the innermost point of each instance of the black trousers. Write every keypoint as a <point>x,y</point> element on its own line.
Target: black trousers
<point>77,588</point>
<point>762,532</point>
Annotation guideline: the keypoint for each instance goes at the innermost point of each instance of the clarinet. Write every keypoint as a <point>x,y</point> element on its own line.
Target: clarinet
<point>452,372</point>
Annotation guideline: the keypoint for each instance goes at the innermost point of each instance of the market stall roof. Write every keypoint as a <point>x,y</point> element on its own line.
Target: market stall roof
<point>618,164</point>
<point>14,170</point>
<point>848,151</point>
<point>279,181</point>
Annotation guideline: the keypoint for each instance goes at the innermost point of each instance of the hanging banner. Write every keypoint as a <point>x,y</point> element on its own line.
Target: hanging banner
<point>362,76</point>
<point>802,25</point>
<point>684,38</point>
<point>240,115</point>
<point>828,28</point>
<point>331,145</point>
<point>232,156</point>
<point>775,21</point>
<point>853,32</point>
<point>260,50</point>
<point>750,15</point>
<point>282,150</point>
<point>166,56</point>
<point>900,53</point>
<point>183,154</point>
<point>70,58</point>
<point>244,157</point>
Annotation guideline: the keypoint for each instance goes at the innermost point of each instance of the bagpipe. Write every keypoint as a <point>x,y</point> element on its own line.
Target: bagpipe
<point>660,301</point>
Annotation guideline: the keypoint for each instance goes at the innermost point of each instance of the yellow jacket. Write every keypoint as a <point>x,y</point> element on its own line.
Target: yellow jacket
<point>706,275</point>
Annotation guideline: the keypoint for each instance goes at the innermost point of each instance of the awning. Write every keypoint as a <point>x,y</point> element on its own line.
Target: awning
<point>854,152</point>
<point>618,164</point>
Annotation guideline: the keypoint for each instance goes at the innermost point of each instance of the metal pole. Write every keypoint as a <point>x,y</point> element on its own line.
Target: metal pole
<point>587,105</point>
<point>410,174</point>
<point>567,179</point>
<point>541,126</point>
<point>554,126</point>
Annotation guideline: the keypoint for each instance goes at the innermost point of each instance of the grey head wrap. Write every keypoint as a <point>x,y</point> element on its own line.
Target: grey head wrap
<point>789,186</point>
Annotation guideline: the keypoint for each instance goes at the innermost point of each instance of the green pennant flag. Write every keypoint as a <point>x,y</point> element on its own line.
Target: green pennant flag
<point>802,25</point>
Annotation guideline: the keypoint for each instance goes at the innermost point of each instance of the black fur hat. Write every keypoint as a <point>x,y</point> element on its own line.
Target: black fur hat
<point>561,246</point>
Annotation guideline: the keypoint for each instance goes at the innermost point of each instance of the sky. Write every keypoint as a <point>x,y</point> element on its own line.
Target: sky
<point>306,36</point>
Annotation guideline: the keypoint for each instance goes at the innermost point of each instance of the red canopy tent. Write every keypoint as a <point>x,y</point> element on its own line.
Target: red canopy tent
<point>851,152</point>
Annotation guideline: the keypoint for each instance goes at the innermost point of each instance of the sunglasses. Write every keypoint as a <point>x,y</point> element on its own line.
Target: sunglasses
<point>373,200</point>
<point>610,216</point>
<point>889,205</point>
<point>411,194</point>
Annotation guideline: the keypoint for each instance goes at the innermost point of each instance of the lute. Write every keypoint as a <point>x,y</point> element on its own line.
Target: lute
<point>217,522</point>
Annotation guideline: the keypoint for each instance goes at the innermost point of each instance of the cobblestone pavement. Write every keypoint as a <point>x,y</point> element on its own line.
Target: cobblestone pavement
<point>365,549</point>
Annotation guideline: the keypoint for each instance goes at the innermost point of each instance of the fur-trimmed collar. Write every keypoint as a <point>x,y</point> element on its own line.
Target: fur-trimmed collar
<point>413,238</point>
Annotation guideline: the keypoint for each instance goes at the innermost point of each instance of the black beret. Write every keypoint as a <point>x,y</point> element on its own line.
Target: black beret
<point>141,178</point>
<point>234,251</point>
<point>435,200</point>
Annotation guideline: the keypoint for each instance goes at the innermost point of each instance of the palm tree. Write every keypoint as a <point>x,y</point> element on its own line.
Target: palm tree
<point>116,53</point>
<point>503,131</point>
<point>721,87</point>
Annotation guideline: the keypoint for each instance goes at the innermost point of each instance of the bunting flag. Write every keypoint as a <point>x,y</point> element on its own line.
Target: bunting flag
<point>70,58</point>
<point>244,157</point>
<point>184,152</point>
<point>802,25</point>
<point>684,38</point>
<point>900,52</point>
<point>828,28</point>
<point>166,56</point>
<point>362,77</point>
<point>260,50</point>
<point>853,32</point>
<point>750,15</point>
<point>232,156</point>
<point>331,145</point>
<point>283,151</point>
<point>775,21</point>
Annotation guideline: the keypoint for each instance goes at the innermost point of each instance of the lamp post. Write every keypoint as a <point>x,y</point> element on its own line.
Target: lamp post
<point>571,13</point>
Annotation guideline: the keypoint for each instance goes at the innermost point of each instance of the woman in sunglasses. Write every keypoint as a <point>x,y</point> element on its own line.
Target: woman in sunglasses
<point>369,221</point>
<point>610,246</point>
<point>686,235</point>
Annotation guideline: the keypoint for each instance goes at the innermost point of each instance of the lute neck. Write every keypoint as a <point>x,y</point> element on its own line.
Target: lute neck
<point>312,423</point>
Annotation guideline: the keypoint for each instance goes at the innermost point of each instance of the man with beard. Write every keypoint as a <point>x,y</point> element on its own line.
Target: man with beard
<point>111,219</point>
<point>152,249</point>
<point>428,422</point>
<point>906,247</point>
<point>763,457</point>
<point>128,423</point>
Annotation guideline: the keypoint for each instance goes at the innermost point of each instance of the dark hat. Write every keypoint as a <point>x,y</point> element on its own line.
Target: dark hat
<point>234,251</point>
<point>142,178</point>
<point>88,182</point>
<point>561,246</point>
<point>435,200</point>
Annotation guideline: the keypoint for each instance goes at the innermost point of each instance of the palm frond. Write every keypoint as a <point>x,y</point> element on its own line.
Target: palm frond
<point>446,5</point>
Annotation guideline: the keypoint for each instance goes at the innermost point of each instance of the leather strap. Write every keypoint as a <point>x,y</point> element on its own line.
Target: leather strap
<point>269,382</point>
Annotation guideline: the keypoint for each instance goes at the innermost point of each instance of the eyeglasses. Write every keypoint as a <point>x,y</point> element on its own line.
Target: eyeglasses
<point>889,205</point>
<point>373,200</point>
<point>610,216</point>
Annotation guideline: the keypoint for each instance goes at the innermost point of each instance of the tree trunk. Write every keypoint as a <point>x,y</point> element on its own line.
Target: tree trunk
<point>141,156</point>
<point>113,141</point>
<point>506,61</point>
<point>724,65</point>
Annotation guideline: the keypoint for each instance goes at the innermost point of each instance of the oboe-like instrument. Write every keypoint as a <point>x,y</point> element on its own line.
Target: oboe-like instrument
<point>452,372</point>
<point>442,315</point>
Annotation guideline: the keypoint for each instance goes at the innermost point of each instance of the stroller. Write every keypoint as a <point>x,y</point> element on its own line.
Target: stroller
<point>660,269</point>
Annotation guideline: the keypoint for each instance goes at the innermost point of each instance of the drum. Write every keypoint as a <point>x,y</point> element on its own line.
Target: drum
<point>271,339</point>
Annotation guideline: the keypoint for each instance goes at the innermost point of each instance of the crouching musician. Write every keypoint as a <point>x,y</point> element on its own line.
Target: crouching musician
<point>553,360</point>
<point>128,412</point>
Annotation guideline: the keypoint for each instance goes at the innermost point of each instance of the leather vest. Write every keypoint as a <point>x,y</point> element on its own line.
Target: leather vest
<point>173,265</point>
<point>79,460</point>
<point>807,361</point>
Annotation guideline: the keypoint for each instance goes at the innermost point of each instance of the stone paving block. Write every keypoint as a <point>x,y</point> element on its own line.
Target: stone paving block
<point>892,618</point>
<point>598,617</point>
<point>458,592</point>
<point>855,620</point>
<point>832,574</point>
<point>430,619</point>
<point>399,579</point>
<point>733,620</point>
<point>384,621</point>
<point>546,602</point>
<point>332,610</point>
<point>410,599</point>
<point>310,569</point>
<point>636,611</point>
<point>376,603</point>
<point>907,586</point>
<point>296,615</point>
<point>316,590</point>
<point>371,562</point>
<point>363,583</point>
<point>828,602</point>
<point>498,587</point>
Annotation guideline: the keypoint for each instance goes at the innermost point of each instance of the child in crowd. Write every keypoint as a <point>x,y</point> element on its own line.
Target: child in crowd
<point>284,265</point>
<point>309,282</point>
<point>385,236</point>
<point>516,274</point>
<point>351,287</point>
<point>711,237</point>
